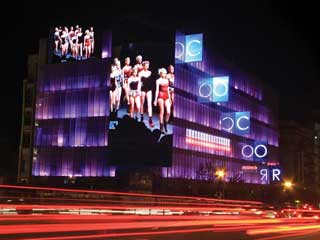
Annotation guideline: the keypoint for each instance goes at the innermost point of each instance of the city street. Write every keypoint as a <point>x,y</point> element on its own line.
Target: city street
<point>88,214</point>
<point>52,227</point>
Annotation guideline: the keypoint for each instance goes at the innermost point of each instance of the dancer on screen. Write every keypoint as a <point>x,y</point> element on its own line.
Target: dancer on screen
<point>92,39</point>
<point>139,63</point>
<point>80,42</point>
<point>146,91</point>
<point>134,88</point>
<point>162,99</point>
<point>87,44</point>
<point>57,39</point>
<point>115,87</point>
<point>126,72</point>
<point>170,77</point>
<point>64,42</point>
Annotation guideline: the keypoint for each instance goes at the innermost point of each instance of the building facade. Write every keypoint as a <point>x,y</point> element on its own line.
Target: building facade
<point>69,135</point>
<point>193,159</point>
<point>299,155</point>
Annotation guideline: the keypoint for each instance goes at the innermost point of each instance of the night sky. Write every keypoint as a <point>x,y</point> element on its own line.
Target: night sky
<point>275,40</point>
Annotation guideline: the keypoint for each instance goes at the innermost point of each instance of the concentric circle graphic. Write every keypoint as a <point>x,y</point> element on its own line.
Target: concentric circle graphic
<point>205,90</point>
<point>218,84</point>
<point>238,123</point>
<point>232,123</point>
<point>189,52</point>
<point>256,151</point>
<point>182,49</point>
<point>243,151</point>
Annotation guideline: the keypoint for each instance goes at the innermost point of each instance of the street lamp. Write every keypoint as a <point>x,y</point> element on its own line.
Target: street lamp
<point>288,185</point>
<point>287,189</point>
<point>220,174</point>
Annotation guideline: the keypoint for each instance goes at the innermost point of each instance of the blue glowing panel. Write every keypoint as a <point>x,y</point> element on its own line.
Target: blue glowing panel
<point>260,151</point>
<point>242,123</point>
<point>193,47</point>
<point>180,48</point>
<point>227,122</point>
<point>205,90</point>
<point>220,89</point>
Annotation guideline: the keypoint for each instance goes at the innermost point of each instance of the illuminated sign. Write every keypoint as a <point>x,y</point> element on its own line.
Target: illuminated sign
<point>249,168</point>
<point>189,48</point>
<point>207,140</point>
<point>272,163</point>
<point>238,122</point>
<point>214,89</point>
<point>220,89</point>
<point>258,151</point>
<point>242,123</point>
<point>272,175</point>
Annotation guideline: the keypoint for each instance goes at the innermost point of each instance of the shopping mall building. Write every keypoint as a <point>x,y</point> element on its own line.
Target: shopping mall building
<point>223,118</point>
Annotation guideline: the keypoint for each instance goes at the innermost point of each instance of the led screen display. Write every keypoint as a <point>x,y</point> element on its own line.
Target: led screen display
<point>141,99</point>
<point>206,140</point>
<point>74,43</point>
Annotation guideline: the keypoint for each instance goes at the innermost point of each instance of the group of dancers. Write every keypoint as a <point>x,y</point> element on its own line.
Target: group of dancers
<point>73,42</point>
<point>136,83</point>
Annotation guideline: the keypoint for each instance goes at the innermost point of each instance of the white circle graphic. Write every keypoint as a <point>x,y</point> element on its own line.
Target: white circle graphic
<point>188,46</point>
<point>200,92</point>
<point>242,151</point>
<point>232,123</point>
<point>182,51</point>
<point>238,123</point>
<point>216,84</point>
<point>265,151</point>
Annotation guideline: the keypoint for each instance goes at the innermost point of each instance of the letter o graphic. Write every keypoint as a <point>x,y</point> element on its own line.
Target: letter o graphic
<point>265,151</point>
<point>204,85</point>
<point>238,123</point>
<point>232,123</point>
<point>224,84</point>
<point>182,51</point>
<point>190,52</point>
<point>243,148</point>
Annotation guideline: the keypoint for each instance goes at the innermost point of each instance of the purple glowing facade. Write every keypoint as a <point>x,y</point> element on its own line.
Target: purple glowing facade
<point>246,94</point>
<point>71,122</point>
<point>72,118</point>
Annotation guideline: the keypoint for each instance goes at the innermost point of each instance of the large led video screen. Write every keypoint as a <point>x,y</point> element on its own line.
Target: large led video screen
<point>141,100</point>
<point>74,43</point>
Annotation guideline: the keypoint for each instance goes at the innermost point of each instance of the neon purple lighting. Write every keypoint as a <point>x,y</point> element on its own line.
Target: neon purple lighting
<point>246,94</point>
<point>71,132</point>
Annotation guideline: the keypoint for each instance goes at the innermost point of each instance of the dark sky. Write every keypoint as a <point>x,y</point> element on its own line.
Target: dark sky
<point>275,40</point>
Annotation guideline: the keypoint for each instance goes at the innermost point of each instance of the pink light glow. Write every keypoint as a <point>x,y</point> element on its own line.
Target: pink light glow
<point>207,144</point>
